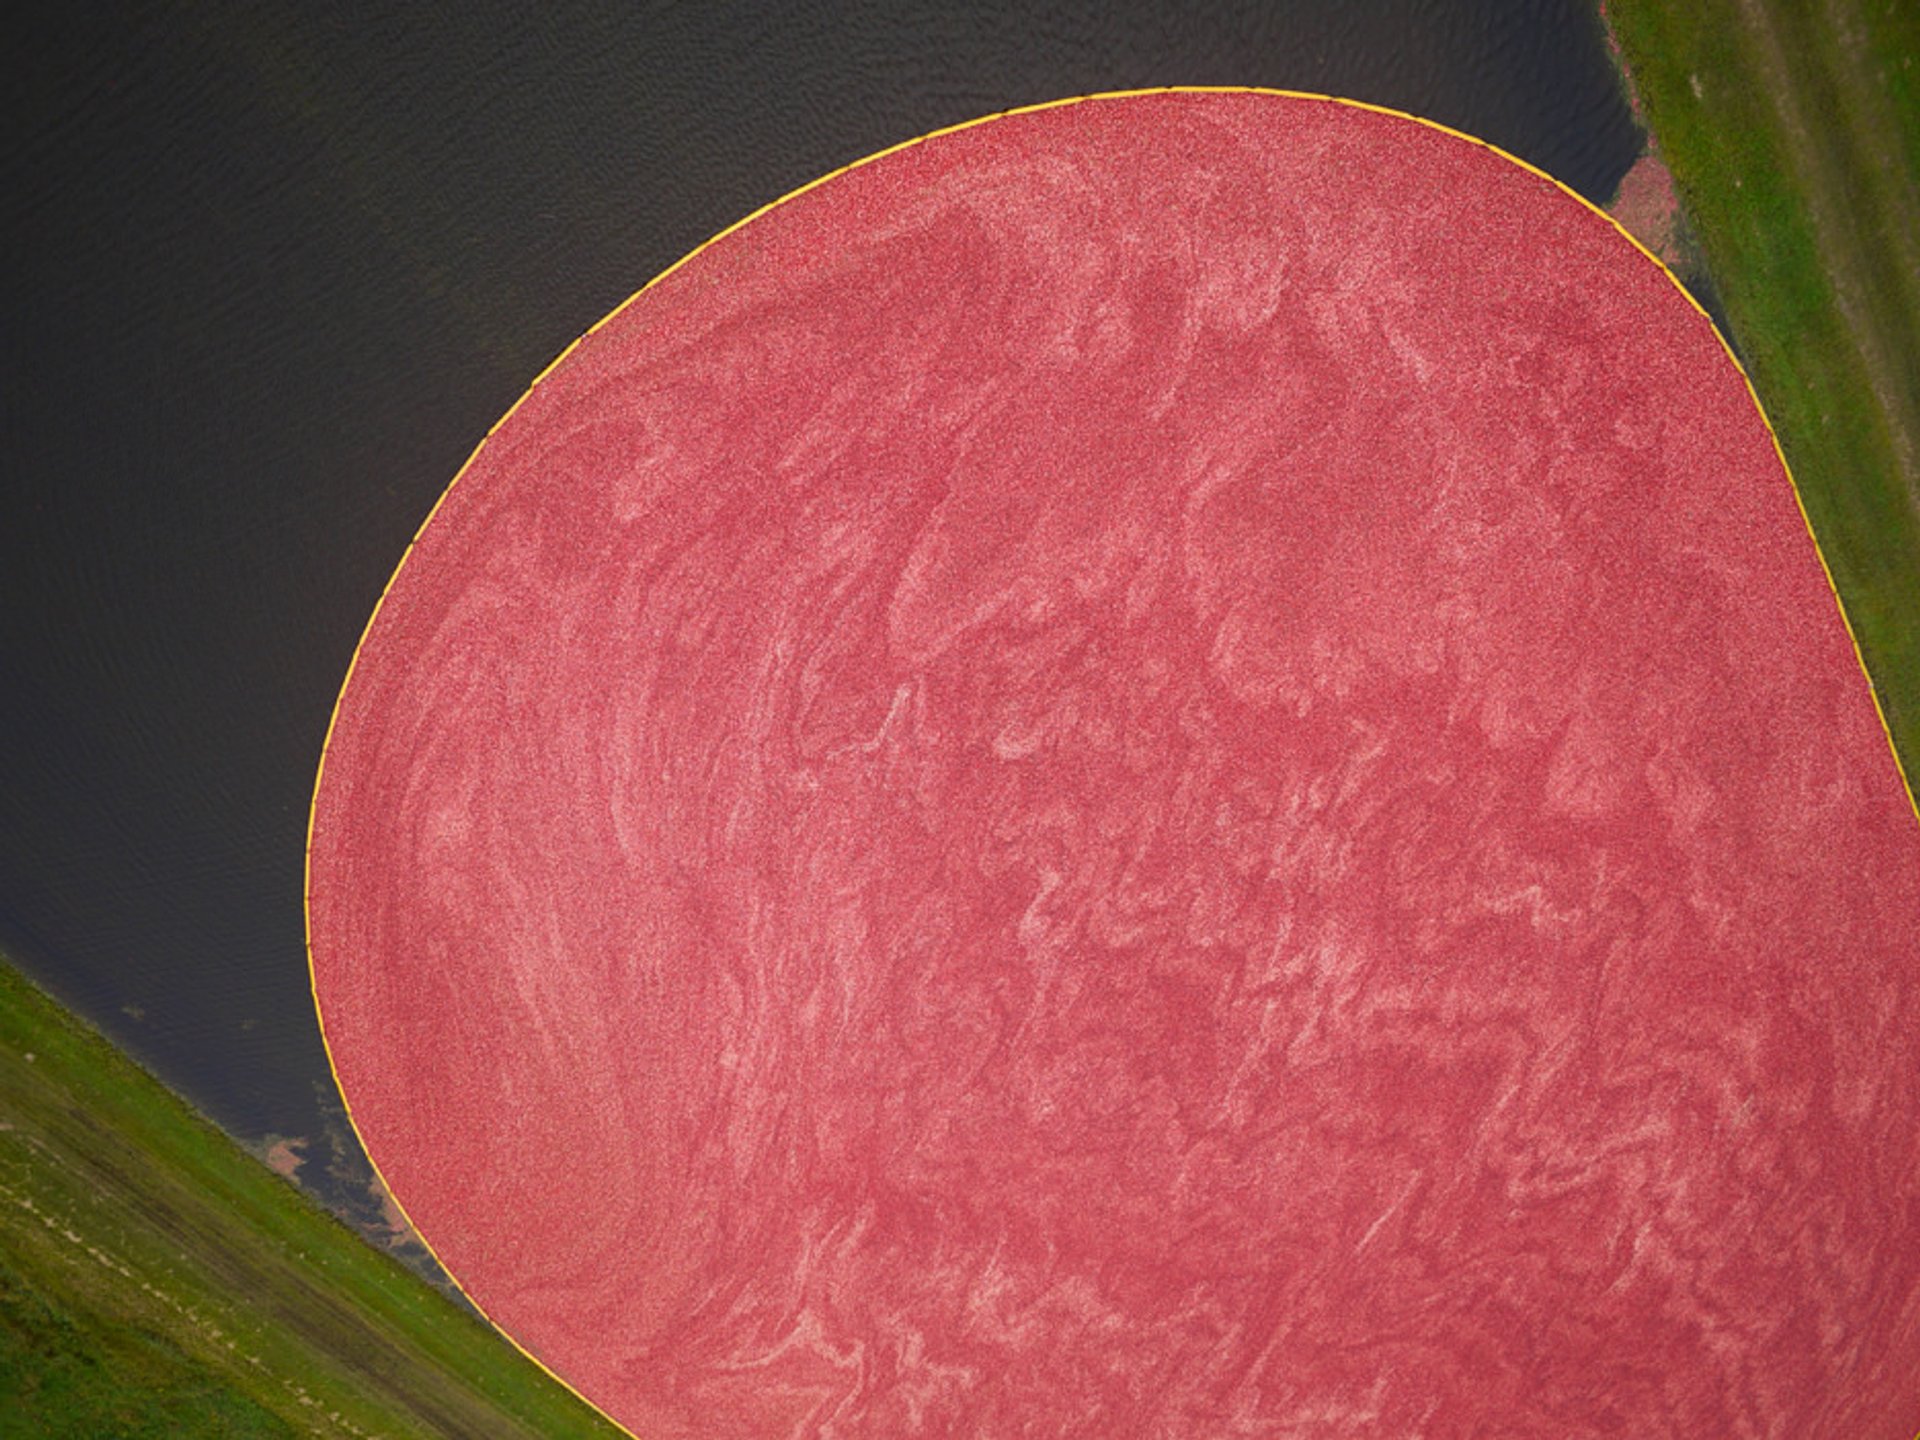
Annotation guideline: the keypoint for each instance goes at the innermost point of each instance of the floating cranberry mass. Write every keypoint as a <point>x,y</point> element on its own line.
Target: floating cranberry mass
<point>1175,766</point>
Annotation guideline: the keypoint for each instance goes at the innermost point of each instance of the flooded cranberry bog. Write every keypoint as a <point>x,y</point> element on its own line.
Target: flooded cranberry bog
<point>1175,764</point>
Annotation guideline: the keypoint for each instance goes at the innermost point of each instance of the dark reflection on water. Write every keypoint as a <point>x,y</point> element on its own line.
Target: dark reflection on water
<point>277,272</point>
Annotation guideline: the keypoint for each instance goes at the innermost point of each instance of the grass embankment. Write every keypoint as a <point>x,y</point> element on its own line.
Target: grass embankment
<point>1793,133</point>
<point>156,1280</point>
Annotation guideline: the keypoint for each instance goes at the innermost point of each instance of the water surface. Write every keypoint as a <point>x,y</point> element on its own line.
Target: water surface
<point>277,273</point>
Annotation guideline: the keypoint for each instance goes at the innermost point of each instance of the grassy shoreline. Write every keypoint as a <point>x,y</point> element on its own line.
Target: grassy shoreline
<point>155,1279</point>
<point>1793,136</point>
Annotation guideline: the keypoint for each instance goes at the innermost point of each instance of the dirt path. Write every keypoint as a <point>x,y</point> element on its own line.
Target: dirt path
<point>1868,234</point>
<point>1889,154</point>
<point>182,1320</point>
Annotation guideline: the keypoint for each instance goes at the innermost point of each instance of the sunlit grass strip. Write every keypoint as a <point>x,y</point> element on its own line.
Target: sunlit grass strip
<point>1803,228</point>
<point>157,1280</point>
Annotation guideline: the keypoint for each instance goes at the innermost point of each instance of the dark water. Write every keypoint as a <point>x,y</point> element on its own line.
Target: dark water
<point>272,273</point>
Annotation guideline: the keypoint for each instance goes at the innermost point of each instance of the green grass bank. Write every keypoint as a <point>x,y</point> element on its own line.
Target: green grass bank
<point>1793,133</point>
<point>156,1280</point>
